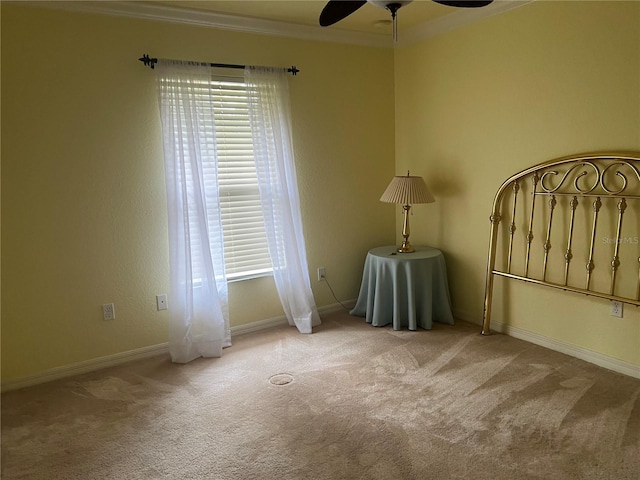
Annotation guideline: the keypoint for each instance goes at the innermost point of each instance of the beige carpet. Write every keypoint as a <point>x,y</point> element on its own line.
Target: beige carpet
<point>363,403</point>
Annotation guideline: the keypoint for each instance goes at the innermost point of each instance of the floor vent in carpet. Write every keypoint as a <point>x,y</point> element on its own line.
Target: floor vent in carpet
<point>281,379</point>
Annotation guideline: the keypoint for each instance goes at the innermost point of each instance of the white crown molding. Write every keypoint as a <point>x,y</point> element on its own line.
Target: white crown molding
<point>457,19</point>
<point>143,10</point>
<point>147,11</point>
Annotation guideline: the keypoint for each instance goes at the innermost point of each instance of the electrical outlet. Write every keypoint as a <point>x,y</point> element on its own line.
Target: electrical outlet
<point>321,274</point>
<point>616,308</point>
<point>161,301</point>
<point>108,311</point>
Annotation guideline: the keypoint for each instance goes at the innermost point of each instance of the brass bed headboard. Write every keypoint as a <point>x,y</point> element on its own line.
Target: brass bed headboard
<point>571,223</point>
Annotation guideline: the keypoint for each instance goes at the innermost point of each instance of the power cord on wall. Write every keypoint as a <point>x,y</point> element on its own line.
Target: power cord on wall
<point>324,277</point>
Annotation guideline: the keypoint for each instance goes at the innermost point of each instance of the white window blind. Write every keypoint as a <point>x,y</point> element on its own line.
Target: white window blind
<point>245,243</point>
<point>246,253</point>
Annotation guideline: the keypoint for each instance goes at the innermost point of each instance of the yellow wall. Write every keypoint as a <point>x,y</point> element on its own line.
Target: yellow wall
<point>83,202</point>
<point>476,105</point>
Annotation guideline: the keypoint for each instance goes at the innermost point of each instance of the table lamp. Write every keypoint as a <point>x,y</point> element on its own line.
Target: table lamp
<point>407,191</point>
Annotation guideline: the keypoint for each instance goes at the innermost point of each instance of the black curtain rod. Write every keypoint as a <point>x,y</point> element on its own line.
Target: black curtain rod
<point>151,62</point>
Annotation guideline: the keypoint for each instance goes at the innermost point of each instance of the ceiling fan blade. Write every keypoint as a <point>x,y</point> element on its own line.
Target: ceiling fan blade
<point>464,3</point>
<point>336,10</point>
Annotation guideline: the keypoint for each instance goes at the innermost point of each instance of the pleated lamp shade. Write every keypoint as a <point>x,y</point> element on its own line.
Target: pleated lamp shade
<point>407,190</point>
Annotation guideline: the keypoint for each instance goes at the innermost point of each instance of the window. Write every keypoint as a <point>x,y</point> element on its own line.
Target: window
<point>209,154</point>
<point>246,253</point>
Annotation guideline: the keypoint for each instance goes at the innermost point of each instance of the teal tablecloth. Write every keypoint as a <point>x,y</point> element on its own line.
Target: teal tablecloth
<point>406,289</point>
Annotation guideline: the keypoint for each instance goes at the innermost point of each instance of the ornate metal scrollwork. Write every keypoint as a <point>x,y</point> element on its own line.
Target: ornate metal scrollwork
<point>618,175</point>
<point>577,175</point>
<point>611,178</point>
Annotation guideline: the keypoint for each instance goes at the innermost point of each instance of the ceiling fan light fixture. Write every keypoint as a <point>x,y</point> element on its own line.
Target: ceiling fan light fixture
<point>393,6</point>
<point>387,3</point>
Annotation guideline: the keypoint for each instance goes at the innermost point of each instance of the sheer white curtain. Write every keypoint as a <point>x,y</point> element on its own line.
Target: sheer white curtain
<point>199,318</point>
<point>270,119</point>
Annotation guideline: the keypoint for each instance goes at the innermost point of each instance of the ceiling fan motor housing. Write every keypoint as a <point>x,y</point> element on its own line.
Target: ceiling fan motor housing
<point>391,5</point>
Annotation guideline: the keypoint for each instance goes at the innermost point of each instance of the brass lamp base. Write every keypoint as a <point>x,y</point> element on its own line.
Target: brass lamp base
<point>406,247</point>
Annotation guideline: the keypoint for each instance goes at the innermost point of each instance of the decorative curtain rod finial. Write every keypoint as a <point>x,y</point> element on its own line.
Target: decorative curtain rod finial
<point>148,62</point>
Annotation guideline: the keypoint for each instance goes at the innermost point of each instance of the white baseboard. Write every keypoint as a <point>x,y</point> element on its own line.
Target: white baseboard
<point>336,307</point>
<point>590,356</point>
<point>86,366</point>
<point>141,353</point>
<point>282,320</point>
<point>259,325</point>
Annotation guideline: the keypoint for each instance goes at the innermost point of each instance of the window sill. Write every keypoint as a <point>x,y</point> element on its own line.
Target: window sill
<point>248,276</point>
